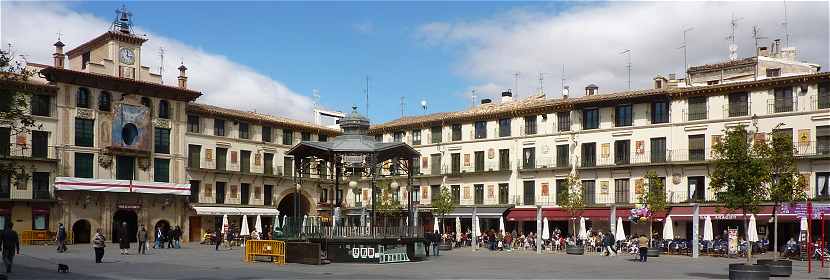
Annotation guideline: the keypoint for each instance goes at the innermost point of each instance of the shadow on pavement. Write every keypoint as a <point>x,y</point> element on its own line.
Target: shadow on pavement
<point>707,275</point>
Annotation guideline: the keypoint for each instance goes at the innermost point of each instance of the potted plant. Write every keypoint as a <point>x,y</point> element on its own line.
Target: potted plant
<point>785,185</point>
<point>739,180</point>
<point>442,205</point>
<point>572,201</point>
<point>653,199</point>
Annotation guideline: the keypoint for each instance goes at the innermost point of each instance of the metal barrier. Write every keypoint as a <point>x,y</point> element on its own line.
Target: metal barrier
<point>30,236</point>
<point>268,248</point>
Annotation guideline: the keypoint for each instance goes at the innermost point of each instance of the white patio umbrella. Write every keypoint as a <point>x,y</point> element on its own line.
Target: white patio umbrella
<point>545,229</point>
<point>477,227</point>
<point>258,225</point>
<point>457,228</point>
<point>435,226</point>
<point>708,235</point>
<point>501,225</point>
<point>225,224</point>
<point>284,220</point>
<point>620,235</point>
<point>752,231</point>
<point>277,219</point>
<point>668,228</point>
<point>583,232</point>
<point>305,217</point>
<point>244,231</point>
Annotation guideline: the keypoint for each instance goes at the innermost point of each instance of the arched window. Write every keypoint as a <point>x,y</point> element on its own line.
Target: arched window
<point>82,98</point>
<point>147,103</point>
<point>164,109</point>
<point>104,101</point>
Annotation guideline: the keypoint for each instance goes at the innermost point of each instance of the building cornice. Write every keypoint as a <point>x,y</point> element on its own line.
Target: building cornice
<point>128,86</point>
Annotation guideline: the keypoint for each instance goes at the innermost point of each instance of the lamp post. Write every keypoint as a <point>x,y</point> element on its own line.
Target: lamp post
<point>296,205</point>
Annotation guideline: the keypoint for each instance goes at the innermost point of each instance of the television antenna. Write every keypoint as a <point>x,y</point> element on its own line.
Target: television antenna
<point>366,90</point>
<point>474,97</point>
<point>563,79</point>
<point>516,84</point>
<point>403,106</point>
<point>756,34</point>
<point>733,48</point>
<point>315,93</point>
<point>684,46</point>
<point>786,26</point>
<point>627,52</point>
<point>542,82</point>
<point>161,64</point>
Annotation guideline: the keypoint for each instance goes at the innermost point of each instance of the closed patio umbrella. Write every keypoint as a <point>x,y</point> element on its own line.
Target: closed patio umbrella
<point>305,217</point>
<point>502,228</point>
<point>244,231</point>
<point>258,224</point>
<point>225,224</point>
<point>284,220</point>
<point>620,235</point>
<point>668,228</point>
<point>752,231</point>
<point>435,226</point>
<point>583,232</point>
<point>708,235</point>
<point>457,228</point>
<point>545,229</point>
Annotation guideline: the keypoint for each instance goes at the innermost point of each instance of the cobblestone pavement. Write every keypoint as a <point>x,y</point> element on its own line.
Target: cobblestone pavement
<point>202,262</point>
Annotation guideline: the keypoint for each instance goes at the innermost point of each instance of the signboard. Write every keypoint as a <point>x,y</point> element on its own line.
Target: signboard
<point>733,241</point>
<point>129,206</point>
<point>800,209</point>
<point>354,159</point>
<point>804,137</point>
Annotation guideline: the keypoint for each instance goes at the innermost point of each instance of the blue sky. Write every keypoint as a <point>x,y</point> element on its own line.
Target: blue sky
<point>269,56</point>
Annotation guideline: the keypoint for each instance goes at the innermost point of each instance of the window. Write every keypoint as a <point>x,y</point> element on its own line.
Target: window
<point>697,147</point>
<point>246,193</point>
<point>437,136</point>
<point>561,189</point>
<point>162,143</point>
<point>529,158</point>
<point>194,191</point>
<point>787,133</point>
<point>41,105</point>
<point>40,219</point>
<point>697,108</point>
<point>622,115</point>
<point>82,98</point>
<point>415,195</point>
<point>824,95</point>
<point>322,138</point>
<point>245,161</point>
<point>220,192</point>
<point>504,191</point>
<point>783,100</point>
<point>823,140</point>
<point>455,162</point>
<point>268,164</point>
<point>479,194</point>
<point>267,136</point>
<point>622,151</point>
<point>590,118</point>
<point>40,144</point>
<point>773,72</point>
<point>397,137</point>
<point>563,121</point>
<point>219,127</point>
<point>712,82</point>
<point>621,187</point>
<point>124,168</point>
<point>268,196</point>
<point>288,166</point>
<point>530,125</point>
<point>147,103</point>
<point>660,111</point>
<point>193,124</point>
<point>529,193</point>
<point>305,136</point>
<point>562,155</point>
<point>221,158</point>
<point>589,193</point>
<point>161,170</point>
<point>5,141</point>
<point>416,137</point>
<point>504,159</point>
<point>324,195</point>
<point>435,164</point>
<point>434,192</point>
<point>658,150</point>
<point>479,161</point>
<point>456,194</point>
<point>287,137</point>
<point>5,186</point>
<point>481,130</point>
<point>84,132</point>
<point>697,188</point>
<point>164,109</point>
<point>194,156</point>
<point>738,104</point>
<point>823,184</point>
<point>85,58</point>
<point>504,128</point>
<point>244,131</point>
<point>589,154</point>
<point>83,165</point>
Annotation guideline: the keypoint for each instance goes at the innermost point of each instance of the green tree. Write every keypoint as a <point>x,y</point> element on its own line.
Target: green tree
<point>740,174</point>
<point>572,199</point>
<point>443,204</point>
<point>389,206</point>
<point>785,184</point>
<point>654,198</point>
<point>15,94</point>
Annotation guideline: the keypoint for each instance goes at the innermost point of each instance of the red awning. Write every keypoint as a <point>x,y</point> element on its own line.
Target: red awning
<point>685,213</point>
<point>559,214</point>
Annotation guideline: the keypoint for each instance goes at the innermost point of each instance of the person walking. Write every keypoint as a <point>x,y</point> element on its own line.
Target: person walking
<point>61,238</point>
<point>436,239</point>
<point>157,244</point>
<point>142,240</point>
<point>10,245</point>
<point>123,239</point>
<point>643,242</point>
<point>177,237</point>
<point>428,239</point>
<point>217,239</point>
<point>98,244</point>
<point>169,236</point>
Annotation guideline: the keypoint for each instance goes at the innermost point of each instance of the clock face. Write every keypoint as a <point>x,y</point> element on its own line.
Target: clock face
<point>126,56</point>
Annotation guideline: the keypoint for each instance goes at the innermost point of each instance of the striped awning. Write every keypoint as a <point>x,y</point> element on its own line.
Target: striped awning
<point>123,186</point>
<point>218,211</point>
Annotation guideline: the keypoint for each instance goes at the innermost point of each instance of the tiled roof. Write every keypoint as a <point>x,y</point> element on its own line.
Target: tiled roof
<point>103,38</point>
<point>259,118</point>
<point>727,64</point>
<point>120,84</point>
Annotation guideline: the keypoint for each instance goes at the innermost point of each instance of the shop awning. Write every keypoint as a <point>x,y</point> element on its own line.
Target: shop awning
<point>559,214</point>
<point>218,211</point>
<point>482,212</point>
<point>123,186</point>
<point>685,213</point>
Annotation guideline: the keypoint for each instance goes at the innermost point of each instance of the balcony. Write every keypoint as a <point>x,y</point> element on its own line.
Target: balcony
<point>28,152</point>
<point>694,115</point>
<point>781,106</point>
<point>811,149</point>
<point>737,110</point>
<point>41,194</point>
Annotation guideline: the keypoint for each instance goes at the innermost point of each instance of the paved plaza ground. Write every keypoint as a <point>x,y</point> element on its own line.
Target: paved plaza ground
<point>196,261</point>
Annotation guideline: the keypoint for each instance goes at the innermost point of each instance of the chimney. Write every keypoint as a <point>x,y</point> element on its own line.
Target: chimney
<point>182,77</point>
<point>486,101</point>
<point>775,48</point>
<point>565,92</point>
<point>591,89</point>
<point>506,96</point>
<point>58,56</point>
<point>763,51</point>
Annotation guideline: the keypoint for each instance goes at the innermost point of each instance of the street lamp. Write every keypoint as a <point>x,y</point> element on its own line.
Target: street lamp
<point>394,185</point>
<point>296,205</point>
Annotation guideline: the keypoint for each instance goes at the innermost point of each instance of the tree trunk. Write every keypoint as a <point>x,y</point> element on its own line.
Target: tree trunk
<point>775,232</point>
<point>748,243</point>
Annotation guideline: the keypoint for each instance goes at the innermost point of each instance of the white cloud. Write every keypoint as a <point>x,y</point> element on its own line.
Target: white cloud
<point>31,29</point>
<point>365,27</point>
<point>588,41</point>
